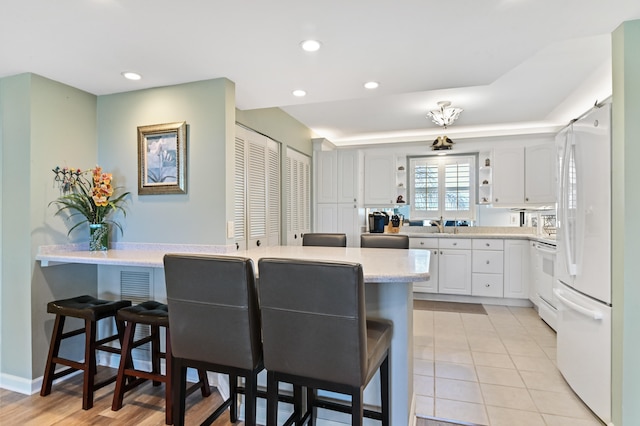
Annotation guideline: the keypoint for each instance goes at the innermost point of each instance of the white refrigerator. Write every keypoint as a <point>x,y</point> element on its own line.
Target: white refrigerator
<point>583,273</point>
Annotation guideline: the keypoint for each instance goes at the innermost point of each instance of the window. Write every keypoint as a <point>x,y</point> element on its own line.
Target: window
<point>442,186</point>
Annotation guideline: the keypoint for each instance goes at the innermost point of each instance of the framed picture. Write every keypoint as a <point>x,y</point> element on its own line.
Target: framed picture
<point>162,159</point>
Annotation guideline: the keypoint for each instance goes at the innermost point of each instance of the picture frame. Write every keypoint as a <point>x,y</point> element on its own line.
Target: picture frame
<point>162,159</point>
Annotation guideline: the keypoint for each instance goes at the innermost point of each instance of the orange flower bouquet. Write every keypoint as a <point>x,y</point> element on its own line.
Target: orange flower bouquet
<point>90,197</point>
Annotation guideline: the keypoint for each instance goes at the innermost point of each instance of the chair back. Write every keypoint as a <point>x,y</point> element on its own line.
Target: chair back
<point>384,241</point>
<point>324,239</point>
<point>314,319</point>
<point>213,309</point>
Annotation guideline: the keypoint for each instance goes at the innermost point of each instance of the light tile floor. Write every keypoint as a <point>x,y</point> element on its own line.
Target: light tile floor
<point>496,369</point>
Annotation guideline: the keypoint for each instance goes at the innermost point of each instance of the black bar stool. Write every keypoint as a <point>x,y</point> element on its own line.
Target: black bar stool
<point>155,315</point>
<point>91,310</point>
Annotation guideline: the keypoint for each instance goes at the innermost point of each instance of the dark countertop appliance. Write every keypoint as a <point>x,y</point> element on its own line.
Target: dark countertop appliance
<point>377,221</point>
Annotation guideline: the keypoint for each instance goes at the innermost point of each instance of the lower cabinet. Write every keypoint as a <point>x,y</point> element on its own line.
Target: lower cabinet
<point>487,267</point>
<point>430,244</point>
<point>516,269</point>
<point>454,266</point>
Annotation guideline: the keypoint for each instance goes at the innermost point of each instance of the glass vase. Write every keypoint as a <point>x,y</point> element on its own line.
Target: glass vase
<point>98,236</point>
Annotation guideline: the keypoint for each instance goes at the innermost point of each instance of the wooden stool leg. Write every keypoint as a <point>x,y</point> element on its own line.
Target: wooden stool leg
<point>125,361</point>
<point>90,368</point>
<point>168,386</point>
<point>205,389</point>
<point>155,352</point>
<point>54,348</point>
<point>179,385</point>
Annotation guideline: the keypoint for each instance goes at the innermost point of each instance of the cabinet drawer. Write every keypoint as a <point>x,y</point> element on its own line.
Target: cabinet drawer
<point>487,244</point>
<point>488,261</point>
<point>423,243</point>
<point>454,243</point>
<point>490,285</point>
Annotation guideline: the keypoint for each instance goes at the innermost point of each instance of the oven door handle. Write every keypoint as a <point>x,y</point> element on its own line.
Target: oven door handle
<point>596,315</point>
<point>545,250</point>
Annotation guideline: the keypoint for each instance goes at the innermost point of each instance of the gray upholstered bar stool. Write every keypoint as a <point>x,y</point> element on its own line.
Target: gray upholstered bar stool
<point>324,239</point>
<point>215,325</point>
<point>91,310</point>
<point>316,334</point>
<point>384,241</point>
<point>156,316</point>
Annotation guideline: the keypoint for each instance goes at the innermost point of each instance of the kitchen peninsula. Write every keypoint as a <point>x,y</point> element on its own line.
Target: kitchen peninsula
<point>389,275</point>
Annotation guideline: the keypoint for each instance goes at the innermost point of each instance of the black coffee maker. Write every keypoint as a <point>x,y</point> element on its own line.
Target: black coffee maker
<point>377,221</point>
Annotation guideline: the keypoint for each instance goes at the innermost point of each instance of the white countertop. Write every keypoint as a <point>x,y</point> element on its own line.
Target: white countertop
<point>379,265</point>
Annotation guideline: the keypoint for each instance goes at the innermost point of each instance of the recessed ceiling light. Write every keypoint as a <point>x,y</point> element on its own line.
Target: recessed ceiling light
<point>371,85</point>
<point>310,45</point>
<point>299,93</point>
<point>131,75</point>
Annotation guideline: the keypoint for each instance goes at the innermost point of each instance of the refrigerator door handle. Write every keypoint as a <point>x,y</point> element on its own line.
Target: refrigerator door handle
<point>596,315</point>
<point>569,246</point>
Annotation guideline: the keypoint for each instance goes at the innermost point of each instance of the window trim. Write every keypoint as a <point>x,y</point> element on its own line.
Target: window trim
<point>441,161</point>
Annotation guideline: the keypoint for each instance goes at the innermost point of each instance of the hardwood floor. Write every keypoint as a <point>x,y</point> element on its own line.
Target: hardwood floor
<point>143,406</point>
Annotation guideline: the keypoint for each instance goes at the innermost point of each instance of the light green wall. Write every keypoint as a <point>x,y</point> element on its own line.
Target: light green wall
<point>199,216</point>
<point>625,226</point>
<point>44,123</point>
<point>278,125</point>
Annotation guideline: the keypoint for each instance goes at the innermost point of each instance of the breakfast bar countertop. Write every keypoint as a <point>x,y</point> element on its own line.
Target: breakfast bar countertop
<point>379,265</point>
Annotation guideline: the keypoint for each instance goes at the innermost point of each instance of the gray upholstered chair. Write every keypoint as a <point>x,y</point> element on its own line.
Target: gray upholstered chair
<point>316,334</point>
<point>324,239</point>
<point>215,325</point>
<point>384,241</point>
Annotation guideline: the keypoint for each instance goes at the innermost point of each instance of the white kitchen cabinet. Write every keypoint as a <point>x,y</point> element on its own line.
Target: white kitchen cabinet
<point>540,174</point>
<point>524,176</point>
<point>348,222</point>
<point>379,180</point>
<point>348,184</point>
<point>487,267</point>
<point>338,206</point>
<point>454,266</point>
<point>508,176</point>
<point>516,269</point>
<point>430,286</point>
<point>326,176</point>
<point>326,217</point>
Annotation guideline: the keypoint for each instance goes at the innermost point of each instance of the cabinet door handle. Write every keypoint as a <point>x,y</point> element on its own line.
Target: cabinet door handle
<point>440,251</point>
<point>435,252</point>
<point>526,199</point>
<point>487,262</point>
<point>455,244</point>
<point>496,200</point>
<point>488,245</point>
<point>421,243</point>
<point>258,243</point>
<point>487,285</point>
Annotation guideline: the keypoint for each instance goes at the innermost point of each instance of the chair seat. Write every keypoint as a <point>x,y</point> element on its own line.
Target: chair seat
<point>86,307</point>
<point>149,312</point>
<point>379,334</point>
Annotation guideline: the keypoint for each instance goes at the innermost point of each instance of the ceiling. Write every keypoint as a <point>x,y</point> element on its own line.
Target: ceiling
<point>514,66</point>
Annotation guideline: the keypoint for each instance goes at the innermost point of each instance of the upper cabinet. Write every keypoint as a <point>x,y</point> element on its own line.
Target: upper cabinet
<point>348,182</point>
<point>524,176</point>
<point>508,176</point>
<point>540,174</point>
<point>326,176</point>
<point>337,176</point>
<point>379,179</point>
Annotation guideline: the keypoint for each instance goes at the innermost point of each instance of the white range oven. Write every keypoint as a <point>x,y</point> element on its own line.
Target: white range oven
<point>543,270</point>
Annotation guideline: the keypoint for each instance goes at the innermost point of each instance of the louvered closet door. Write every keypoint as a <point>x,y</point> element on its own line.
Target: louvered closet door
<point>257,190</point>
<point>298,184</point>
<point>240,193</point>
